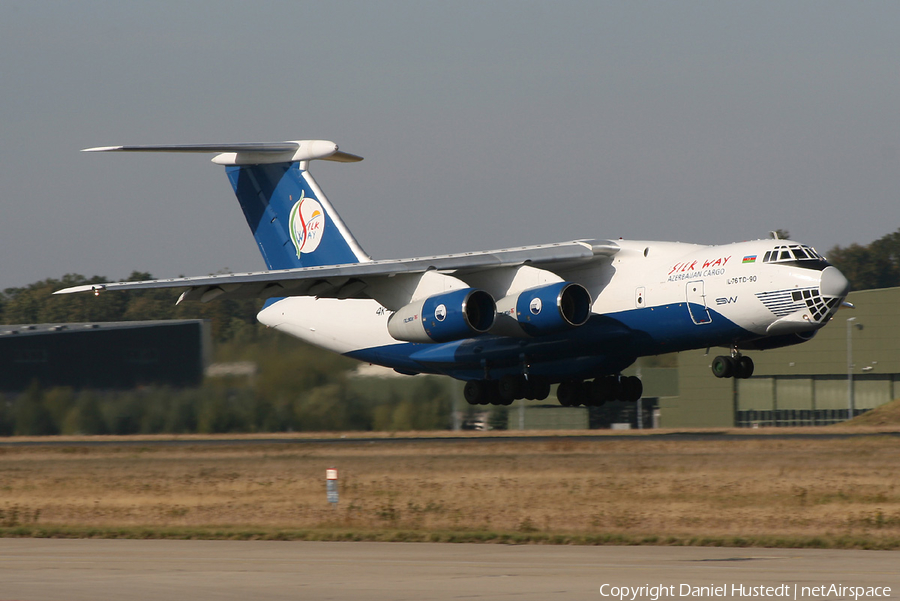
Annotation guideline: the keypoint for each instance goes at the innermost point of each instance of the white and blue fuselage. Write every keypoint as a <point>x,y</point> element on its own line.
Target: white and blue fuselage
<point>650,298</point>
<point>513,321</point>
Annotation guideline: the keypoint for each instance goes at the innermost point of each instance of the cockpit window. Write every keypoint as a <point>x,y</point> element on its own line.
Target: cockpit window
<point>792,253</point>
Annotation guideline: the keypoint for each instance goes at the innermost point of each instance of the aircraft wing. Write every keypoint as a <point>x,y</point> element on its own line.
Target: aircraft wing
<point>351,280</point>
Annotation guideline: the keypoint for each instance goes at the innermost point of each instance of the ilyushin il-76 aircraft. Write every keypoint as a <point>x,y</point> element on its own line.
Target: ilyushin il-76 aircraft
<point>509,322</point>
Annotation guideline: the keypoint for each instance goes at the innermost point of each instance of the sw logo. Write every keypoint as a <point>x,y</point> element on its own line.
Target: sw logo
<point>307,224</point>
<point>726,301</point>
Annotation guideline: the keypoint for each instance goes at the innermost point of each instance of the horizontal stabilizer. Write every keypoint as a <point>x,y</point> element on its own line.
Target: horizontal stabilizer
<point>250,154</point>
<point>264,147</point>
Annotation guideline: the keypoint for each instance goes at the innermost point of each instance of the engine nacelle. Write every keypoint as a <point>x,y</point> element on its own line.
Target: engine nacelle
<point>444,317</point>
<point>545,309</point>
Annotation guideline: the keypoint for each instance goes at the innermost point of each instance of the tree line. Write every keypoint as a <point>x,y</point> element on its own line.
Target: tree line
<point>36,303</point>
<point>869,266</point>
<point>217,408</point>
<point>296,387</point>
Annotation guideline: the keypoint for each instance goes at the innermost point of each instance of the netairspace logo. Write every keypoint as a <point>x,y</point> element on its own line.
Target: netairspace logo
<point>782,591</point>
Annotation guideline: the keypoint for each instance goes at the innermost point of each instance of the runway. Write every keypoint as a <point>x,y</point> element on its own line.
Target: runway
<point>81,570</point>
<point>733,434</point>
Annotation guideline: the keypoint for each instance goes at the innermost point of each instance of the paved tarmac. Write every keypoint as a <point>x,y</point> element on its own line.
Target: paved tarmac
<point>732,434</point>
<point>75,570</point>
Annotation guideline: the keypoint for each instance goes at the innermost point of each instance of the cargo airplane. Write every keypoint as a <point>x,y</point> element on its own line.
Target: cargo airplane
<point>508,322</point>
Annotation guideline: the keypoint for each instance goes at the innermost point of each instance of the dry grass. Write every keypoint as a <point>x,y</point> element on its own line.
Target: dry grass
<point>885,415</point>
<point>753,491</point>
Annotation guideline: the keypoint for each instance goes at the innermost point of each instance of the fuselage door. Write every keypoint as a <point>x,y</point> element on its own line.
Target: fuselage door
<point>696,299</point>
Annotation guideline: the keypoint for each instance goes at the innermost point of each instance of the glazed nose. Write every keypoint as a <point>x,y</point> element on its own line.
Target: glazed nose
<point>833,283</point>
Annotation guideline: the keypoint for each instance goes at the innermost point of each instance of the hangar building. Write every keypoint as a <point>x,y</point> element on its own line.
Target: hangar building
<point>106,355</point>
<point>806,384</point>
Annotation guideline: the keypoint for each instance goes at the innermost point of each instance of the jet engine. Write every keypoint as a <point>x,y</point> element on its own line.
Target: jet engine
<point>546,309</point>
<point>444,317</point>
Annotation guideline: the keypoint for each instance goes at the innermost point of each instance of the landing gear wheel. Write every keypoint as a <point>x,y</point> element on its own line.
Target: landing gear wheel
<point>538,390</point>
<point>567,393</point>
<point>615,389</point>
<point>475,391</point>
<point>609,387</point>
<point>511,388</point>
<point>528,391</point>
<point>579,396</point>
<point>632,389</point>
<point>723,367</point>
<point>743,368</point>
<point>599,392</point>
<point>492,396</point>
<point>481,392</point>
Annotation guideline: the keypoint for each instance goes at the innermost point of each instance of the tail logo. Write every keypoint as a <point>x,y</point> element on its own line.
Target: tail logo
<point>307,224</point>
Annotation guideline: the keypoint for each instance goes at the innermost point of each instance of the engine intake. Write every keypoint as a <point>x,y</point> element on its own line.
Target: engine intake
<point>546,309</point>
<point>444,317</point>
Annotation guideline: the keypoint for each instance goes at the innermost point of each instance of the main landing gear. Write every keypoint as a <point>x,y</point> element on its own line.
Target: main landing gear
<point>735,366</point>
<point>505,390</point>
<point>600,391</point>
<point>570,394</point>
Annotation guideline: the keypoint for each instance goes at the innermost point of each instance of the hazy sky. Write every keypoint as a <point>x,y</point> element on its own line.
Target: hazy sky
<point>483,124</point>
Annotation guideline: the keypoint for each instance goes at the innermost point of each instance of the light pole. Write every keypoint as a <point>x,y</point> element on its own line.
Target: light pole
<point>850,403</point>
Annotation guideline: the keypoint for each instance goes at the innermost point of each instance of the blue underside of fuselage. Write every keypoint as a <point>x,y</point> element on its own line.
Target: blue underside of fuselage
<point>605,345</point>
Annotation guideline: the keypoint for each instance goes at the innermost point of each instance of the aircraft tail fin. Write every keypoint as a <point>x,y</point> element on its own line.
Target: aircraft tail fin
<point>291,219</point>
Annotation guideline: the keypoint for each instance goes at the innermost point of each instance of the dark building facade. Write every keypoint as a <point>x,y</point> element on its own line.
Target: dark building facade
<point>106,355</point>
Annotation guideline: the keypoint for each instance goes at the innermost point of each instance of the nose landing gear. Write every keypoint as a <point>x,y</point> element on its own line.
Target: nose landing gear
<point>735,366</point>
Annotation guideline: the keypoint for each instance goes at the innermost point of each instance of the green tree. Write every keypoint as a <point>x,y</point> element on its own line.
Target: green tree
<point>58,401</point>
<point>431,404</point>
<point>876,265</point>
<point>122,412</point>
<point>32,418</point>
<point>85,416</point>
<point>36,303</point>
<point>180,412</point>
<point>296,387</point>
<point>7,418</point>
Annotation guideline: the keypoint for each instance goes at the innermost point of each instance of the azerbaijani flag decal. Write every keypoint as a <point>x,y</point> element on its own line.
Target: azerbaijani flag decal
<point>749,259</point>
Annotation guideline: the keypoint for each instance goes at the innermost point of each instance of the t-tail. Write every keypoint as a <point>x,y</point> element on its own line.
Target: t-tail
<point>291,219</point>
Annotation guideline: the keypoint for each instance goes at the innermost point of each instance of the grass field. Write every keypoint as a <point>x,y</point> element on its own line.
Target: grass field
<point>754,491</point>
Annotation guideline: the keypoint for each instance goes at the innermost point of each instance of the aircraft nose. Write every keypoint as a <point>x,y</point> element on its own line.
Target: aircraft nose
<point>833,283</point>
